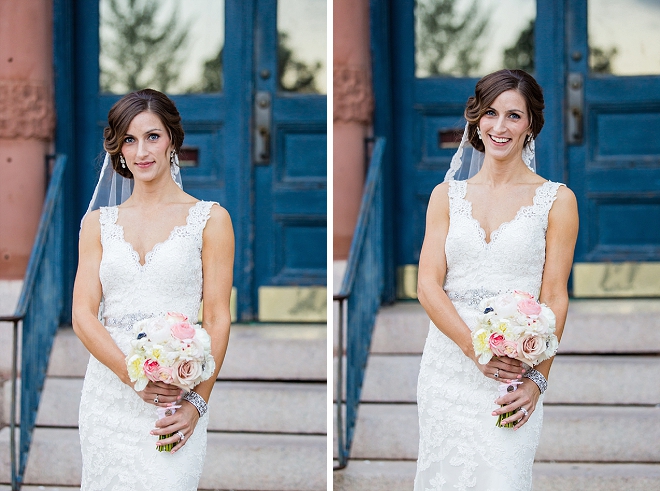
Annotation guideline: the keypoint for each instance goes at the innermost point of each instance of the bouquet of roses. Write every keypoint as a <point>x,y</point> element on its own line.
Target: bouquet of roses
<point>517,326</point>
<point>169,349</point>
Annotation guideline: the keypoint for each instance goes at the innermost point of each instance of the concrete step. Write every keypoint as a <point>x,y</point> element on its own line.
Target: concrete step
<point>592,326</point>
<point>574,379</point>
<point>259,352</point>
<point>234,406</point>
<point>570,433</point>
<point>361,475</point>
<point>234,461</point>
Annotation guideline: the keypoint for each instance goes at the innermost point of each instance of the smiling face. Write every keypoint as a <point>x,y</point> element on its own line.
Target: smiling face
<point>505,125</point>
<point>147,146</point>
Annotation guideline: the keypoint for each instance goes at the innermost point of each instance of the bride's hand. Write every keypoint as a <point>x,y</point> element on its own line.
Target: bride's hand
<point>522,400</point>
<point>181,425</point>
<point>160,394</point>
<point>501,368</point>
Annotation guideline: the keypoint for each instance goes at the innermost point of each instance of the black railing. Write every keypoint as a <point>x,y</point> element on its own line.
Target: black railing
<point>39,309</point>
<point>360,297</point>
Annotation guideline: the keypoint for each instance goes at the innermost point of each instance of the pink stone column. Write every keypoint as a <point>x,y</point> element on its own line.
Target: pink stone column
<point>352,114</point>
<point>26,125</point>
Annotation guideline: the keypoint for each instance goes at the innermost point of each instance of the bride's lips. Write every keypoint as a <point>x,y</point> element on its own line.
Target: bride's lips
<point>143,165</point>
<point>503,140</point>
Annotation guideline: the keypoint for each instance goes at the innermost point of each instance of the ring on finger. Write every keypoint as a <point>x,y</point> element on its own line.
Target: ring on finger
<point>156,399</point>
<point>524,411</point>
<point>497,373</point>
<point>181,435</point>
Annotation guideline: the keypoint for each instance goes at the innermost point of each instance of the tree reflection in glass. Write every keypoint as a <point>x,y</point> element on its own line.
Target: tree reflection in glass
<point>469,38</point>
<point>301,49</point>
<point>168,45</point>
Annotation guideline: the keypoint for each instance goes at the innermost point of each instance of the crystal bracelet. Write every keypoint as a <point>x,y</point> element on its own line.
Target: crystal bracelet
<point>198,401</point>
<point>538,378</point>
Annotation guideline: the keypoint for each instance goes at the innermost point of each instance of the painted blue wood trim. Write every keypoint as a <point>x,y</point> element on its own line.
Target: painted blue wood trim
<point>239,63</point>
<point>403,75</point>
<point>65,140</point>
<point>550,73</point>
<point>381,63</point>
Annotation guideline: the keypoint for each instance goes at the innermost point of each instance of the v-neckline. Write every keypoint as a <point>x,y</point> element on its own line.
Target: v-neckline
<point>496,232</point>
<point>147,256</point>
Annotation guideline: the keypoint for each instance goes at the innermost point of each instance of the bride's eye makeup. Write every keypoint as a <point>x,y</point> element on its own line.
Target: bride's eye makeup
<point>129,139</point>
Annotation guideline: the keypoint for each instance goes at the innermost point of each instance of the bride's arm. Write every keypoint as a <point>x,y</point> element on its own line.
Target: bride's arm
<point>217,267</point>
<point>87,297</point>
<point>430,281</point>
<point>560,246</point>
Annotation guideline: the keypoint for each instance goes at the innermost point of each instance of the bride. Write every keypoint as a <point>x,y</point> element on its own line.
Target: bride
<point>504,229</point>
<point>160,250</point>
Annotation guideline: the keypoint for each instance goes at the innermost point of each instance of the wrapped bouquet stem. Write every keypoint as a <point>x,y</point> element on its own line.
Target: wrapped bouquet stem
<point>517,326</point>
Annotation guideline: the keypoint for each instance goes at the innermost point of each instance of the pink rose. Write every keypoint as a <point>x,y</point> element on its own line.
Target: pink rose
<point>531,347</point>
<point>157,373</point>
<point>496,343</point>
<point>183,330</point>
<point>510,349</point>
<point>529,307</point>
<point>186,373</point>
<point>151,369</point>
<point>523,294</point>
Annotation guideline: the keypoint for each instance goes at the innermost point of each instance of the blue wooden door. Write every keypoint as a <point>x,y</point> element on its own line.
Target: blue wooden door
<point>613,116</point>
<point>290,156</point>
<point>215,59</point>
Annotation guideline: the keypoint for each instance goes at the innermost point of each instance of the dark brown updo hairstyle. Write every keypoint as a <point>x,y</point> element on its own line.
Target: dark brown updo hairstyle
<point>490,87</point>
<point>125,109</point>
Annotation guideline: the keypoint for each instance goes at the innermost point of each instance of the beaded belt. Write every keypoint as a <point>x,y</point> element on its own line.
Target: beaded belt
<point>472,297</point>
<point>125,322</point>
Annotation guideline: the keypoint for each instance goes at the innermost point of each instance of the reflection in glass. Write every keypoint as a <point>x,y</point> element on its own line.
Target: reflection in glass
<point>624,38</point>
<point>301,51</point>
<point>174,46</point>
<point>470,38</point>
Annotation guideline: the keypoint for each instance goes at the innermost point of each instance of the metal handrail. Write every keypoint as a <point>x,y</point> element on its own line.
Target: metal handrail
<point>39,309</point>
<point>360,297</point>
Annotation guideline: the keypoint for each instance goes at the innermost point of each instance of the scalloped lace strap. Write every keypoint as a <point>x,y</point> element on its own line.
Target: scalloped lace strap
<point>456,194</point>
<point>546,195</point>
<point>200,214</point>
<point>107,217</point>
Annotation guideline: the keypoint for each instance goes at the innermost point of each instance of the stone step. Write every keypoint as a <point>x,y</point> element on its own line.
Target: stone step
<point>259,352</point>
<point>574,379</point>
<point>592,326</point>
<point>235,461</point>
<point>234,406</point>
<point>570,433</point>
<point>361,475</point>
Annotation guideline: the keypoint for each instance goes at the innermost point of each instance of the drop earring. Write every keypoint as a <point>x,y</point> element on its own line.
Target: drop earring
<point>123,162</point>
<point>479,132</point>
<point>172,162</point>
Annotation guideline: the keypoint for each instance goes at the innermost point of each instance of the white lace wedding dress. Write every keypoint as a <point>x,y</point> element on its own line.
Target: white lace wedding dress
<point>460,448</point>
<point>118,451</point>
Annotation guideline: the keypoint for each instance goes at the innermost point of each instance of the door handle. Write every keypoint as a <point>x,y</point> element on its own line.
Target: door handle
<point>262,124</point>
<point>575,113</point>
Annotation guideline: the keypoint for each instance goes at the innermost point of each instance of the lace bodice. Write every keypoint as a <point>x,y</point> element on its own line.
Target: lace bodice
<point>512,260</point>
<point>169,280</point>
